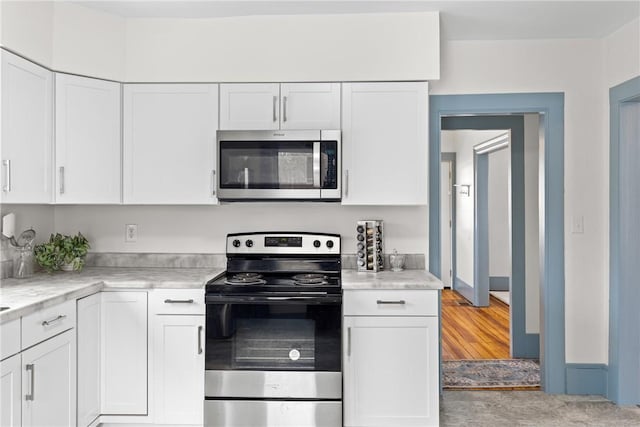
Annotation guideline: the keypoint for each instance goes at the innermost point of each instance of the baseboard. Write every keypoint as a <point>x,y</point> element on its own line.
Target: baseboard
<point>463,288</point>
<point>586,378</point>
<point>498,283</point>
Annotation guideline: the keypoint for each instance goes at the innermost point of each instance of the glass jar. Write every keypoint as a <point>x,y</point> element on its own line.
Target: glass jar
<point>23,263</point>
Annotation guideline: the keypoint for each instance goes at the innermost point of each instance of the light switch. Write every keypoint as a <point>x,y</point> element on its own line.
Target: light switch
<point>577,224</point>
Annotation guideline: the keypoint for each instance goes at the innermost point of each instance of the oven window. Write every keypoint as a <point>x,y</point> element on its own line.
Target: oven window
<point>266,165</point>
<point>273,337</point>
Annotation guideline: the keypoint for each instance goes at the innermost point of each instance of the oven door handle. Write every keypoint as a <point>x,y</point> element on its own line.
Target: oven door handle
<point>228,299</point>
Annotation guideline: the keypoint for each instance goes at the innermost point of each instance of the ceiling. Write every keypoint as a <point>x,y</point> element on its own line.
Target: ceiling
<point>460,20</point>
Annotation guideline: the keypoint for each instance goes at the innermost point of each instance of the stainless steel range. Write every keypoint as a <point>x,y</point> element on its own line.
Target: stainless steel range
<point>273,347</point>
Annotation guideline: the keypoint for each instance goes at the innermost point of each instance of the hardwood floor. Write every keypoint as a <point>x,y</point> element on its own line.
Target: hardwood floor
<point>470,332</point>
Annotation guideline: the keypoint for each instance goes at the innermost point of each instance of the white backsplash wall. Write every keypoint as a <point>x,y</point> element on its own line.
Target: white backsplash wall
<point>202,229</point>
<point>38,217</point>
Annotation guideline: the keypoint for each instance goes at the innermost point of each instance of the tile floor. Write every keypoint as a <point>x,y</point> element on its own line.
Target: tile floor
<point>531,408</point>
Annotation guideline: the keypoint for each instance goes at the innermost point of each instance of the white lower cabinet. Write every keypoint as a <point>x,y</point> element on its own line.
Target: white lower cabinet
<point>391,369</point>
<point>178,350</point>
<point>10,392</point>
<point>124,366</point>
<point>49,382</point>
<point>89,349</point>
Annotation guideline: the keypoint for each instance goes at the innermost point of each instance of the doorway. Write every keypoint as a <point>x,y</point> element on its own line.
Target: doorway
<point>550,107</point>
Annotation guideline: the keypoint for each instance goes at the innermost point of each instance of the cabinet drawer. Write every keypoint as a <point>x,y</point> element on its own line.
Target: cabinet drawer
<point>390,303</point>
<point>9,338</point>
<point>177,301</point>
<point>46,323</point>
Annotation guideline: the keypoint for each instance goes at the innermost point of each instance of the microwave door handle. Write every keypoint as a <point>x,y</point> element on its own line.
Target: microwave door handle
<point>316,164</point>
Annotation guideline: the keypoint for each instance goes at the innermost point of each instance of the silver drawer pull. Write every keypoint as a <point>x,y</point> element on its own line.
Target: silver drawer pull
<point>349,341</point>
<point>55,319</point>
<point>178,301</point>
<point>399,302</point>
<point>32,394</point>
<point>200,329</point>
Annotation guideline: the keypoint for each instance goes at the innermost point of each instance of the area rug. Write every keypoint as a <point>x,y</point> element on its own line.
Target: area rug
<point>479,374</point>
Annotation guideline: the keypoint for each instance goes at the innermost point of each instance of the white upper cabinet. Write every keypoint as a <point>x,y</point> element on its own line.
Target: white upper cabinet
<point>249,106</point>
<point>27,117</point>
<point>87,140</point>
<point>257,106</point>
<point>169,143</point>
<point>310,106</point>
<point>385,143</point>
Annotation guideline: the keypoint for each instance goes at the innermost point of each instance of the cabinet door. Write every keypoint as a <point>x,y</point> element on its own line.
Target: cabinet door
<point>10,392</point>
<point>179,369</point>
<point>124,353</point>
<point>249,106</point>
<point>88,329</point>
<point>87,140</point>
<point>391,371</point>
<point>169,143</point>
<point>310,106</point>
<point>385,143</point>
<point>27,117</point>
<point>49,382</point>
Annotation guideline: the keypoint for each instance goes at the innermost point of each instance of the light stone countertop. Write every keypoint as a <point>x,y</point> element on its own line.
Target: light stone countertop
<point>399,280</point>
<point>25,296</point>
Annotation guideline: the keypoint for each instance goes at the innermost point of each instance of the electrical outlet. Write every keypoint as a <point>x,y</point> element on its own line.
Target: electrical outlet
<point>131,233</point>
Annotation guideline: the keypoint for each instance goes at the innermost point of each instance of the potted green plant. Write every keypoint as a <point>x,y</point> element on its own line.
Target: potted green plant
<point>62,252</point>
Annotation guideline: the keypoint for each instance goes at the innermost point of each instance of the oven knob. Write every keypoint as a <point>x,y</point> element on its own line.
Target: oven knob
<point>249,243</point>
<point>329,244</point>
<point>236,243</point>
<point>316,243</point>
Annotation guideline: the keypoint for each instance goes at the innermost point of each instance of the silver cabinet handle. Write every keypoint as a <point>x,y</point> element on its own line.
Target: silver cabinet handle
<point>399,302</point>
<point>55,319</point>
<point>284,109</point>
<point>275,102</point>
<point>61,179</point>
<point>349,341</point>
<point>200,329</point>
<point>31,369</point>
<point>213,182</point>
<point>346,183</point>
<point>7,182</point>
<point>178,301</point>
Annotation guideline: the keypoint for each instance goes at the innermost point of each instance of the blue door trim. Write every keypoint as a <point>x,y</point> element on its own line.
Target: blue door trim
<point>451,157</point>
<point>551,108</point>
<point>622,386</point>
<point>481,233</point>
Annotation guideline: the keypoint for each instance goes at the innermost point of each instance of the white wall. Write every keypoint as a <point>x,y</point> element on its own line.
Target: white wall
<point>27,28</point>
<point>575,68</point>
<point>202,229</point>
<point>389,46</point>
<point>498,196</point>
<point>622,54</point>
<point>89,42</point>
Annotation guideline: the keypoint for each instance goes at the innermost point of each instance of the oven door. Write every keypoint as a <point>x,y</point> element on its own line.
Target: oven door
<point>292,165</point>
<point>273,347</point>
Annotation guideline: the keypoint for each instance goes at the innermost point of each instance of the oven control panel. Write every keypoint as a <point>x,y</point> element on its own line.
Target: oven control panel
<point>283,243</point>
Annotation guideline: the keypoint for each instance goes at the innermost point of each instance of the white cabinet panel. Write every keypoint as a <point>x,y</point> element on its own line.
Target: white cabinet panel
<point>9,338</point>
<point>179,369</point>
<point>49,382</point>
<point>88,330</point>
<point>45,323</point>
<point>169,143</point>
<point>391,371</point>
<point>11,392</point>
<point>385,143</point>
<point>249,106</point>
<point>264,106</point>
<point>87,140</point>
<point>124,353</point>
<point>27,118</point>
<point>310,106</point>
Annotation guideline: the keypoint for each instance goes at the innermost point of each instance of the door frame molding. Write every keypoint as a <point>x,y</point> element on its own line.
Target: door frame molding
<point>550,106</point>
<point>624,346</point>
<point>451,158</point>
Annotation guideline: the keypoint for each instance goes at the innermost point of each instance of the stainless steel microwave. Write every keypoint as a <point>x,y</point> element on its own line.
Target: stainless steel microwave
<point>278,165</point>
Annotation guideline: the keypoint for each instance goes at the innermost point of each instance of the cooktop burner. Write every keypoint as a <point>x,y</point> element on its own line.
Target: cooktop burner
<point>245,279</point>
<point>310,279</point>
